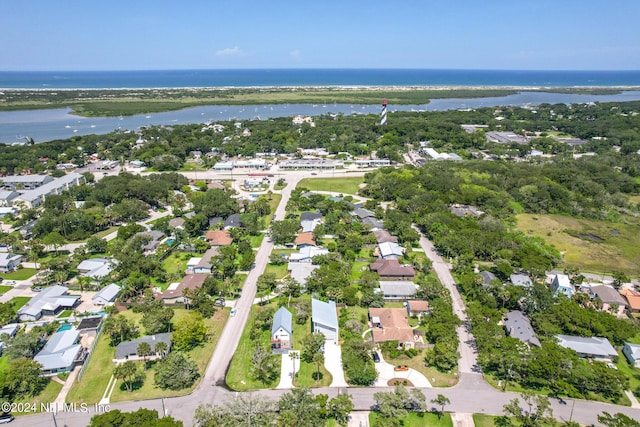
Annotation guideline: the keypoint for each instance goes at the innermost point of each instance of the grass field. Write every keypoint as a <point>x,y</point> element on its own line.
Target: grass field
<point>21,274</point>
<point>238,376</point>
<point>176,263</point>
<point>47,395</point>
<point>592,246</point>
<point>97,374</point>
<point>18,302</point>
<point>348,185</point>
<point>4,289</point>
<point>422,419</point>
<point>481,420</point>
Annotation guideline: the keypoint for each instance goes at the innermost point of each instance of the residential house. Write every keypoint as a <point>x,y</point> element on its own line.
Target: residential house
<point>177,223</point>
<point>391,324</point>
<point>152,238</point>
<point>9,262</point>
<point>218,237</point>
<point>391,269</point>
<point>96,268</point>
<point>521,279</point>
<point>325,319</point>
<point>232,221</point>
<point>487,278</point>
<point>517,325</point>
<point>633,299</point>
<point>597,348</point>
<point>128,350</point>
<point>216,222</point>
<point>632,353</point>
<point>175,292</point>
<point>561,285</point>
<point>7,332</point>
<point>465,210</point>
<point>383,236</point>
<point>107,295</point>
<point>49,302</point>
<point>61,353</point>
<point>300,271</point>
<point>205,264</point>
<point>4,211</point>
<point>90,325</point>
<point>611,299</point>
<point>281,331</point>
<point>305,239</point>
<point>374,223</point>
<point>363,213</point>
<point>418,307</point>
<point>307,253</point>
<point>398,290</point>
<point>390,250</point>
<point>309,221</point>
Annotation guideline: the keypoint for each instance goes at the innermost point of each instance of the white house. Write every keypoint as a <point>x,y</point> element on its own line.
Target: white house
<point>9,262</point>
<point>128,350</point>
<point>632,353</point>
<point>61,353</point>
<point>49,302</point>
<point>96,268</point>
<point>281,330</point>
<point>562,285</point>
<point>107,295</point>
<point>597,348</point>
<point>325,319</point>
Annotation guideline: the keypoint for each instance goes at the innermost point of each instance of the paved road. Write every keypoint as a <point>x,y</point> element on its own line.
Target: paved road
<point>468,362</point>
<point>471,395</point>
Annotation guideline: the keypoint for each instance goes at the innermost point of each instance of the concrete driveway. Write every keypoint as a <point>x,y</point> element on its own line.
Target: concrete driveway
<point>286,370</point>
<point>333,363</point>
<point>386,373</point>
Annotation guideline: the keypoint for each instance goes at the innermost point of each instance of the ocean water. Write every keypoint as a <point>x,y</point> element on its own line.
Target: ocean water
<point>47,125</point>
<point>311,77</point>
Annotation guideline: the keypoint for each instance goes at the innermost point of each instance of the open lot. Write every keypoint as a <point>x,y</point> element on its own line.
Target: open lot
<point>592,246</point>
<point>415,419</point>
<point>348,185</point>
<point>21,274</point>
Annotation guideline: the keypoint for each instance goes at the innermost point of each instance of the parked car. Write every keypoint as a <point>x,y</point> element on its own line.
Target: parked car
<point>5,418</point>
<point>401,368</point>
<point>10,282</point>
<point>36,289</point>
<point>375,356</point>
<point>219,302</point>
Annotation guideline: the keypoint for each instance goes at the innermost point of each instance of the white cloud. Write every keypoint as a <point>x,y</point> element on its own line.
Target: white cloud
<point>295,53</point>
<point>230,51</point>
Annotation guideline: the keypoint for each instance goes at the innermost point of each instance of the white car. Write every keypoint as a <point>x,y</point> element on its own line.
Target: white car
<point>233,312</point>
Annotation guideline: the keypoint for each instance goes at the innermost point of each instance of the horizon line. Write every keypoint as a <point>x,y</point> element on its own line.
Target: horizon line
<point>117,70</point>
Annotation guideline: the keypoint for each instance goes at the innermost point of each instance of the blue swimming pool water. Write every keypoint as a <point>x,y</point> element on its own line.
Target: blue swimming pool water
<point>65,327</point>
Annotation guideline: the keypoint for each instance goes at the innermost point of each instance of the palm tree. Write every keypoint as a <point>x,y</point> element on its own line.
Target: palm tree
<point>143,350</point>
<point>161,348</point>
<point>294,355</point>
<point>318,359</point>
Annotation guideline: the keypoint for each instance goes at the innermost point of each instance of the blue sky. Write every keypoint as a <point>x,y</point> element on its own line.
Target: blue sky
<point>198,34</point>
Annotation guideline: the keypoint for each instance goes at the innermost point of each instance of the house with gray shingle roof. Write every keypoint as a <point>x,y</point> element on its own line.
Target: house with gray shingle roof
<point>518,326</point>
<point>9,262</point>
<point>128,350</point>
<point>281,331</point>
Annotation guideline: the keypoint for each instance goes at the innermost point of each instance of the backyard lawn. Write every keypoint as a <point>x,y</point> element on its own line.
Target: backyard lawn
<point>176,263</point>
<point>4,289</point>
<point>21,274</point>
<point>348,185</point>
<point>18,302</point>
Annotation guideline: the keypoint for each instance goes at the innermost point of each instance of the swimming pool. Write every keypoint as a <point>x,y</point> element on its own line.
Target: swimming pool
<point>169,242</point>
<point>65,327</point>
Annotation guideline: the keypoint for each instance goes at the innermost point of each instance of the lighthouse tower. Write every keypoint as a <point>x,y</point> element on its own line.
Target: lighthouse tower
<point>383,113</point>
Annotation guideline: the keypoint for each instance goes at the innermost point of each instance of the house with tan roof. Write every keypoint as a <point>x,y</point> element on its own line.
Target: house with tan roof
<point>174,293</point>
<point>611,299</point>
<point>391,324</point>
<point>305,239</point>
<point>391,269</point>
<point>417,307</point>
<point>633,299</point>
<point>218,237</point>
<point>383,236</point>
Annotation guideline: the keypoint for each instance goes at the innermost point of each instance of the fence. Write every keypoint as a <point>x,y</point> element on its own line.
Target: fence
<point>93,345</point>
